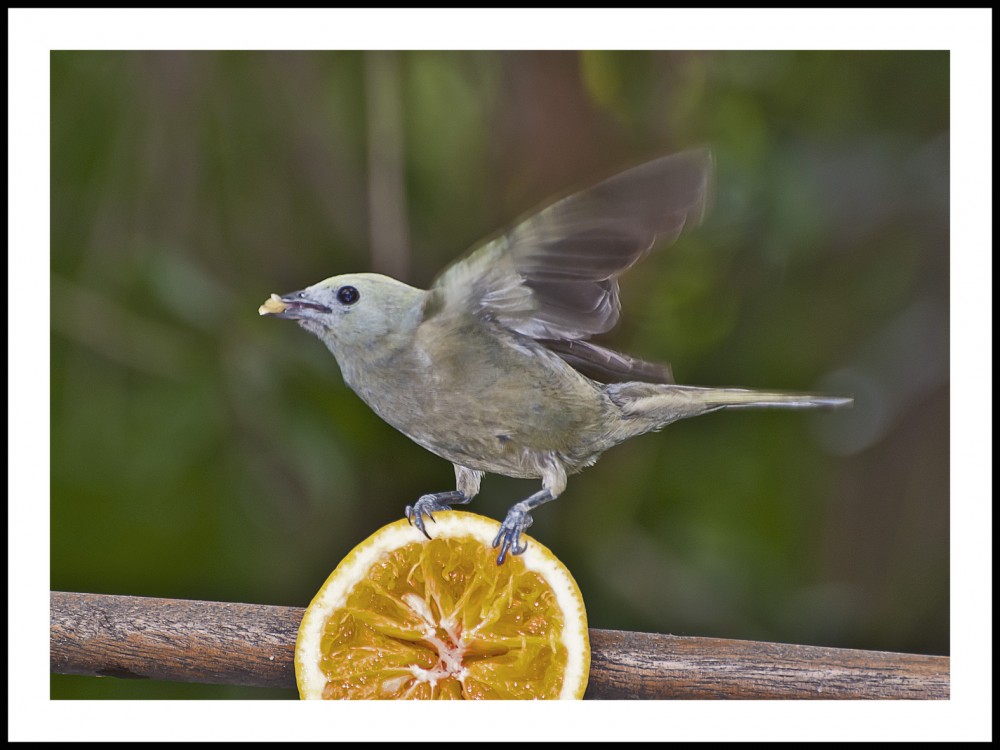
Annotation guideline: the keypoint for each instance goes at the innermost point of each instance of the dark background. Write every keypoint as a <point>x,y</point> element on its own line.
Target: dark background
<point>199,451</point>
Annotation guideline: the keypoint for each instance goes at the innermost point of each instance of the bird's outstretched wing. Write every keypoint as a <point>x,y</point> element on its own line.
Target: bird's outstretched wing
<point>553,277</point>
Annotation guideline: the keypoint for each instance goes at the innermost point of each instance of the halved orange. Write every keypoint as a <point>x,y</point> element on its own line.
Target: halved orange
<point>407,617</point>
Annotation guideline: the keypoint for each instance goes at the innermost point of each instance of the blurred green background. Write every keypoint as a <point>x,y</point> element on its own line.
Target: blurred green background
<point>200,451</point>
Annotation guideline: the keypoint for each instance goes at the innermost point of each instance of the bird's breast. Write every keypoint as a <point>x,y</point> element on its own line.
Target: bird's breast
<point>483,406</point>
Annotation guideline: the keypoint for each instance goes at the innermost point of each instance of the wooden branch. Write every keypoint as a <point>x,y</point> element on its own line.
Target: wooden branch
<point>252,644</point>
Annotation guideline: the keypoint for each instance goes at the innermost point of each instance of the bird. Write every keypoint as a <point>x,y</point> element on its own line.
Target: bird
<point>492,367</point>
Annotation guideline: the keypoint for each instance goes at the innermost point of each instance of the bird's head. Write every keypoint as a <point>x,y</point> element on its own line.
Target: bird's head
<point>356,314</point>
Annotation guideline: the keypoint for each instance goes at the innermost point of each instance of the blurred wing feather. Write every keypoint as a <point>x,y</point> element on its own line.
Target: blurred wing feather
<point>553,276</point>
<point>608,366</point>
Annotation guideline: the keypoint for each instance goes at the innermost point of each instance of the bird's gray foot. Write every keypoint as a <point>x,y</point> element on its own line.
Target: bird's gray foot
<point>428,504</point>
<point>508,539</point>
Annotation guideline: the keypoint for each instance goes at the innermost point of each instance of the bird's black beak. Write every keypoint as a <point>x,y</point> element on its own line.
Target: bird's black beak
<point>291,306</point>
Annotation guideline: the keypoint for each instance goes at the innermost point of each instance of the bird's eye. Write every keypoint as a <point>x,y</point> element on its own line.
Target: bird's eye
<point>347,295</point>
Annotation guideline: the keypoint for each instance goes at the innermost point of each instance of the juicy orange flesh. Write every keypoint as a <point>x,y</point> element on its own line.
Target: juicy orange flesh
<point>441,619</point>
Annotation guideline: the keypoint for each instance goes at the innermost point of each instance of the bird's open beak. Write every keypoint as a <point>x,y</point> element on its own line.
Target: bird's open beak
<point>292,306</point>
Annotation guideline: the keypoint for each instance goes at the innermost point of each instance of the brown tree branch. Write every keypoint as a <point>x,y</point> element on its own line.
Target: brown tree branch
<point>252,644</point>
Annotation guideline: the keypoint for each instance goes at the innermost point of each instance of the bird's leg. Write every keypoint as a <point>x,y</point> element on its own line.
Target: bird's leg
<point>518,518</point>
<point>428,504</point>
<point>467,482</point>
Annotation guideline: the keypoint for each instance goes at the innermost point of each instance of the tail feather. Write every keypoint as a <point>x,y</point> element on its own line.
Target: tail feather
<point>739,398</point>
<point>655,405</point>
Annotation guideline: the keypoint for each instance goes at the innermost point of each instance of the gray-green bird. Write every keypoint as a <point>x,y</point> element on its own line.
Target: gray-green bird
<point>491,368</point>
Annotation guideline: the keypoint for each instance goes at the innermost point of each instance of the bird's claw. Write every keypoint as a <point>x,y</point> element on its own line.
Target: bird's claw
<point>415,515</point>
<point>508,539</point>
<point>426,505</point>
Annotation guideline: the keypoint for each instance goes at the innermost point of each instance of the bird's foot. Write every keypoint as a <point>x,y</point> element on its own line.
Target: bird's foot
<point>508,539</point>
<point>428,504</point>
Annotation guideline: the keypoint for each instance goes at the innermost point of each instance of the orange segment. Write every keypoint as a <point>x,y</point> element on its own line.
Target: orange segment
<point>404,617</point>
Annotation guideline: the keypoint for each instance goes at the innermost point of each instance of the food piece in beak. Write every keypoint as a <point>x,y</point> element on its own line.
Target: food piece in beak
<point>273,306</point>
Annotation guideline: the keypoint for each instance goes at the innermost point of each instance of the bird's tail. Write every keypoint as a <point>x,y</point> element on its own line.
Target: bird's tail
<point>652,405</point>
